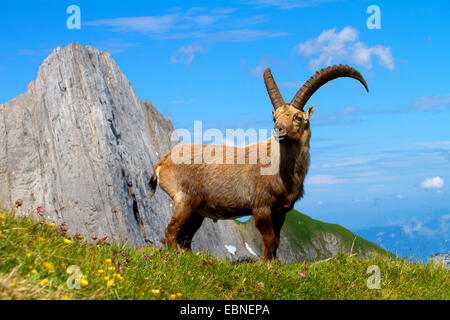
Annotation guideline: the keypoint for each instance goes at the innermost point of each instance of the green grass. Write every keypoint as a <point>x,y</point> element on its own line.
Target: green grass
<point>32,251</point>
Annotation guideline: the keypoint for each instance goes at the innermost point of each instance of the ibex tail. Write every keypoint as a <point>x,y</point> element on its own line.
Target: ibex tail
<point>153,183</point>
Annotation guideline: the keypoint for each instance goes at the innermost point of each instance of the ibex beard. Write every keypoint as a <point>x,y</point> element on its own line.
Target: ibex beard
<point>263,180</point>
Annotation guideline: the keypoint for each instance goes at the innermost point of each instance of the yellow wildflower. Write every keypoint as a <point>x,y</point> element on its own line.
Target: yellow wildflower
<point>29,254</point>
<point>40,239</point>
<point>111,268</point>
<point>12,284</point>
<point>111,283</point>
<point>52,225</point>
<point>108,261</point>
<point>2,217</point>
<point>44,282</point>
<point>106,278</point>
<point>179,295</point>
<point>173,297</point>
<point>101,271</point>
<point>155,292</point>
<point>45,299</point>
<point>65,298</point>
<point>84,282</point>
<point>67,241</point>
<point>117,276</point>
<point>49,266</point>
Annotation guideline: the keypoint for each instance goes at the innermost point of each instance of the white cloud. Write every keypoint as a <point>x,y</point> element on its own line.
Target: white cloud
<point>435,143</point>
<point>416,227</point>
<point>196,23</point>
<point>347,162</point>
<point>324,179</point>
<point>400,196</point>
<point>333,46</point>
<point>320,203</point>
<point>288,4</point>
<point>151,24</point>
<point>265,62</point>
<point>432,183</point>
<point>259,69</point>
<point>244,35</point>
<point>428,103</point>
<point>348,115</point>
<point>186,54</point>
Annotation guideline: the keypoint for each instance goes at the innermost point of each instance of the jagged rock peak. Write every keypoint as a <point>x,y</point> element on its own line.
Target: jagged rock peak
<point>82,145</point>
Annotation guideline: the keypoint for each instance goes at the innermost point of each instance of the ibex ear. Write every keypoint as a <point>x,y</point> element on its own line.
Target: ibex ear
<point>310,111</point>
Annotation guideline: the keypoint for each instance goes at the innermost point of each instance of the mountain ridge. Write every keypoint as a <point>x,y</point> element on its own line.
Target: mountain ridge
<point>306,239</point>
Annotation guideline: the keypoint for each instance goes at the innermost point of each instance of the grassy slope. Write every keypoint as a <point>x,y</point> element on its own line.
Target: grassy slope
<point>302,231</point>
<point>32,251</point>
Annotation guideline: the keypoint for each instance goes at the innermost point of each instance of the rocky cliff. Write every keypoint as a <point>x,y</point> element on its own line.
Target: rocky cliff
<point>82,145</point>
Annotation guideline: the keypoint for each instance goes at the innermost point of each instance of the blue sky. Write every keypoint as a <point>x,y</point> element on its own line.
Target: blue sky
<point>377,159</point>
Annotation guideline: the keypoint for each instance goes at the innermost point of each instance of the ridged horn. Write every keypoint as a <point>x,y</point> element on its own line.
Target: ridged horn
<point>272,89</point>
<point>320,78</point>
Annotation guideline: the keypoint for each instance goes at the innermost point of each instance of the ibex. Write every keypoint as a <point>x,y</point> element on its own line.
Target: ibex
<point>223,190</point>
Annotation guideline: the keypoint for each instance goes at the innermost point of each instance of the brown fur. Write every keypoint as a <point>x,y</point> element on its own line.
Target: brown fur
<point>219,190</point>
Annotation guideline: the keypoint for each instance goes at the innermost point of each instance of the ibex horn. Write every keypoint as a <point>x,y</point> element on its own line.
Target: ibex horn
<point>272,89</point>
<point>320,78</point>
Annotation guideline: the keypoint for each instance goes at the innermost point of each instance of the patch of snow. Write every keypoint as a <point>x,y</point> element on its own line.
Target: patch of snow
<point>250,249</point>
<point>231,249</point>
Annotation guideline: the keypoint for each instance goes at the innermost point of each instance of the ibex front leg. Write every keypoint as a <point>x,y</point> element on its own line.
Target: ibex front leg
<point>277,221</point>
<point>263,221</point>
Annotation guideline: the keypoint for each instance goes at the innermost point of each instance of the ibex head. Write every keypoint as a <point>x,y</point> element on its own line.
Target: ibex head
<point>291,120</point>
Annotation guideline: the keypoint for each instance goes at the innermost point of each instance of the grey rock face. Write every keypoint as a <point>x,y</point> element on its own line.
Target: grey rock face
<point>82,145</point>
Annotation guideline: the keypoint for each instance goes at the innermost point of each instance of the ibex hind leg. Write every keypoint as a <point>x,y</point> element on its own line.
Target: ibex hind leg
<point>188,230</point>
<point>182,229</point>
<point>183,224</point>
